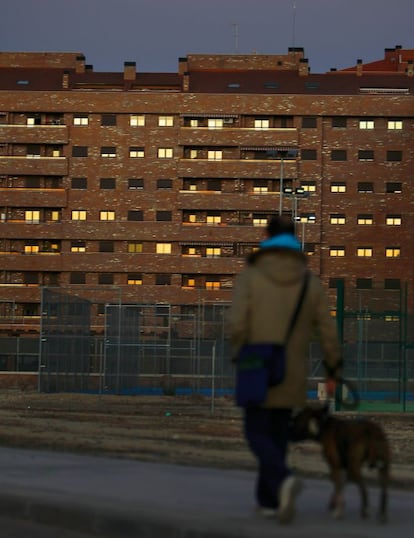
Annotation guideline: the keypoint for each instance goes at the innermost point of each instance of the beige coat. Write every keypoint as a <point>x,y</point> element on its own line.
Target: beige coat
<point>264,298</point>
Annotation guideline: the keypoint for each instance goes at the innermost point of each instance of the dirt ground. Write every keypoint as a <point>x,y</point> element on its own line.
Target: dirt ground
<point>181,430</point>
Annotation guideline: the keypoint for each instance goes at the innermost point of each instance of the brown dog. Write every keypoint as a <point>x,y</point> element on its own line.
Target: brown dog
<point>347,444</point>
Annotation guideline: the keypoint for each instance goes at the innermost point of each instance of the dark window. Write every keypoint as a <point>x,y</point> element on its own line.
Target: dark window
<point>164,184</point>
<point>392,283</point>
<point>366,155</point>
<point>106,246</point>
<point>214,184</point>
<point>309,154</point>
<point>78,277</point>
<point>108,119</point>
<point>135,215</point>
<point>107,183</point>
<point>32,182</point>
<point>30,277</point>
<point>338,155</point>
<point>79,183</point>
<point>164,215</point>
<point>364,283</point>
<point>335,282</point>
<point>135,184</point>
<point>308,123</point>
<point>365,186</point>
<point>393,187</point>
<point>339,121</point>
<point>33,149</point>
<point>79,151</point>
<point>162,280</point>
<point>394,155</point>
<point>106,278</point>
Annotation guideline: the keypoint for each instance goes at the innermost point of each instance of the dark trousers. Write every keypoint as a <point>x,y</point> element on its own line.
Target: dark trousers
<point>267,433</point>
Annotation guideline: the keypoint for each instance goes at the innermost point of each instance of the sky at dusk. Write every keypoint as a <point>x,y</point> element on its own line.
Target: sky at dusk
<point>155,33</point>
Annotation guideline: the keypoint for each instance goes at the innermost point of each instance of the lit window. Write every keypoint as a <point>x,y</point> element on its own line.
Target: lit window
<point>78,214</point>
<point>192,218</point>
<point>260,221</point>
<point>213,252</point>
<point>214,155</point>
<point>78,246</point>
<point>337,252</point>
<point>364,252</point>
<point>337,219</point>
<point>213,285</point>
<point>260,190</point>
<point>261,124</point>
<point>394,124</point>
<point>393,220</point>
<point>215,123</point>
<point>392,252</point>
<point>108,151</point>
<point>189,282</point>
<point>134,279</point>
<point>366,124</point>
<point>31,249</point>
<point>30,121</point>
<point>134,247</point>
<point>80,120</point>
<point>106,215</point>
<point>163,248</point>
<point>193,123</point>
<point>308,186</point>
<point>365,219</point>
<point>55,216</point>
<point>137,152</point>
<point>213,219</point>
<point>338,187</point>
<point>137,121</point>
<point>193,154</point>
<point>32,216</point>
<point>165,121</point>
<point>165,153</point>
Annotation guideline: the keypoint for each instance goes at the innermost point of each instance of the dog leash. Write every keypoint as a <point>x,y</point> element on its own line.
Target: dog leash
<point>346,395</point>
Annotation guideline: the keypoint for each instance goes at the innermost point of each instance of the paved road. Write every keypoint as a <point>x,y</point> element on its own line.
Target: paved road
<point>15,528</point>
<point>131,499</point>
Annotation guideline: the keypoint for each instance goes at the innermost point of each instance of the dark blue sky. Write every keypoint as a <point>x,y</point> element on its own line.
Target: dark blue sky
<point>155,33</point>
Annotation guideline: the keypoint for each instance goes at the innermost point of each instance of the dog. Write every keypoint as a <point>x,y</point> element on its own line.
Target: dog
<point>346,445</point>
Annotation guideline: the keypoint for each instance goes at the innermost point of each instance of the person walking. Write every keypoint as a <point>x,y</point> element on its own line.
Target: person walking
<point>264,298</point>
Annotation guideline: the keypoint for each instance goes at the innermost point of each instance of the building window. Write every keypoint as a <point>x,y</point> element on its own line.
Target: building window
<point>392,252</point>
<point>165,153</point>
<point>135,184</point>
<point>108,119</point>
<point>337,219</point>
<point>259,221</point>
<point>136,215</point>
<point>30,277</point>
<point>308,186</point>
<point>163,248</point>
<point>261,124</point>
<point>165,121</point>
<point>31,249</point>
<point>214,155</point>
<point>364,283</point>
<point>393,187</point>
<point>137,120</point>
<point>335,282</point>
<point>215,123</point>
<point>213,252</point>
<point>163,216</point>
<point>193,154</point>
<point>393,220</point>
<point>213,219</point>
<point>162,280</point>
<point>78,214</point>
<point>338,155</point>
<point>32,216</point>
<point>213,285</point>
<point>134,279</point>
<point>338,187</point>
<point>136,152</point>
<point>79,151</point>
<point>108,151</point>
<point>188,282</point>
<point>339,122</point>
<point>337,252</point>
<point>309,154</point>
<point>394,156</point>
<point>366,124</point>
<point>106,246</point>
<point>309,122</point>
<point>260,187</point>
<point>106,279</point>
<point>80,120</point>
<point>106,215</point>
<point>364,252</point>
<point>365,155</point>
<point>392,284</point>
<point>107,183</point>
<point>365,186</point>
<point>164,184</point>
<point>135,248</point>
<point>78,246</point>
<point>365,219</point>
<point>214,185</point>
<point>77,277</point>
<point>79,183</point>
<point>394,124</point>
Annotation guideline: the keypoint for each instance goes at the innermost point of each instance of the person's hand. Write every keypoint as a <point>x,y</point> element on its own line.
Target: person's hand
<point>330,387</point>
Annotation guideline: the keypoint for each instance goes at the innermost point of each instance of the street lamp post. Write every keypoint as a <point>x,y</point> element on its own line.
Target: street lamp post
<point>285,153</point>
<point>281,188</point>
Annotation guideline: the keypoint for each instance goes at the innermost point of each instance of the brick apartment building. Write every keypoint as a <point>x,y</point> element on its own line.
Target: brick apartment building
<point>153,187</point>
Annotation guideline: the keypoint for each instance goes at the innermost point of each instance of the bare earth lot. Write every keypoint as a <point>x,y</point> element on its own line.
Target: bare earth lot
<point>182,430</point>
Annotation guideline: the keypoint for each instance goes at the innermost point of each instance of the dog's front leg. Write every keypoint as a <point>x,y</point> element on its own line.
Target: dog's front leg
<point>337,501</point>
<point>355,474</point>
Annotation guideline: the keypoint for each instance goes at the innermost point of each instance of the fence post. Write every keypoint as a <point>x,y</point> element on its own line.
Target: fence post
<point>213,375</point>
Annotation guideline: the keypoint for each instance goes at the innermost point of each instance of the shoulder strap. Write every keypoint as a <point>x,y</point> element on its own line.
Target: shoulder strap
<point>298,306</point>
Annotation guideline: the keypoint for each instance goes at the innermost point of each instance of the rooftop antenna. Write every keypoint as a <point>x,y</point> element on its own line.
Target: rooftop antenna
<point>236,37</point>
<point>293,23</point>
